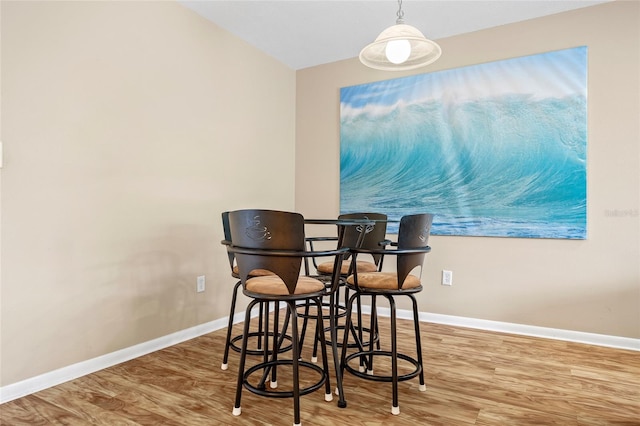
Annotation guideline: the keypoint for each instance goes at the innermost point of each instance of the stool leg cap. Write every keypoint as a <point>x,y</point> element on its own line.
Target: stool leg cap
<point>273,385</point>
<point>224,366</point>
<point>361,369</point>
<point>328,397</point>
<point>423,388</point>
<point>395,410</point>
<point>337,391</point>
<point>237,411</point>
<point>314,359</point>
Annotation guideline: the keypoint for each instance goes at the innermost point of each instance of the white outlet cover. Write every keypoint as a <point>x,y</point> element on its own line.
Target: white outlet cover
<point>200,283</point>
<point>447,277</point>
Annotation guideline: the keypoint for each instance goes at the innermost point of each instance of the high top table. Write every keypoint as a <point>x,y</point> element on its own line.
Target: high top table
<point>342,225</point>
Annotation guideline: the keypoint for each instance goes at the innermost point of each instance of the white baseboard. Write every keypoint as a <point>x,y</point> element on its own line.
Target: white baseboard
<point>59,376</point>
<point>521,329</point>
<point>71,372</point>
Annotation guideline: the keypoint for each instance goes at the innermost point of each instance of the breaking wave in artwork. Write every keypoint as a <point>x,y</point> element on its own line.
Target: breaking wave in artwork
<point>508,165</point>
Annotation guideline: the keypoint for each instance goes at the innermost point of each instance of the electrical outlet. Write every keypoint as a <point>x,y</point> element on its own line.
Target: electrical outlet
<point>447,277</point>
<point>200,284</point>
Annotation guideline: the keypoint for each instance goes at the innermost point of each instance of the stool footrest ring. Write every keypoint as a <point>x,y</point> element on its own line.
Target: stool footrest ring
<point>381,378</point>
<point>342,311</point>
<point>258,335</point>
<point>283,394</point>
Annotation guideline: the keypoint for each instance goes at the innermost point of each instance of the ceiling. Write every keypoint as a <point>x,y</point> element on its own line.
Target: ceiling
<point>305,33</point>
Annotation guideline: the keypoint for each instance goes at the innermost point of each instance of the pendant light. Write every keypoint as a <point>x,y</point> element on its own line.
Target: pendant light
<point>400,47</point>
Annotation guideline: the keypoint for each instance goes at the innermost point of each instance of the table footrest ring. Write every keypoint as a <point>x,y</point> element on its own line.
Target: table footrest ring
<point>354,344</point>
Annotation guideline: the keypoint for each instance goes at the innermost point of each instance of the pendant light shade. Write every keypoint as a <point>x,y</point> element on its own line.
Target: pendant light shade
<point>400,47</point>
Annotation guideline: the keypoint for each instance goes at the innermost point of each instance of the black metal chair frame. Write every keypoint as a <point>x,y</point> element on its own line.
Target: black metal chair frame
<point>410,253</point>
<point>263,317</point>
<point>270,247</point>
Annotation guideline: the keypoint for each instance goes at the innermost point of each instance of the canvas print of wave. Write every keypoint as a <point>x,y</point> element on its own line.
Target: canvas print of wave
<point>497,149</point>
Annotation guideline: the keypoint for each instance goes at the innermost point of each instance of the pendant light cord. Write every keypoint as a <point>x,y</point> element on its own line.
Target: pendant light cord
<point>400,13</point>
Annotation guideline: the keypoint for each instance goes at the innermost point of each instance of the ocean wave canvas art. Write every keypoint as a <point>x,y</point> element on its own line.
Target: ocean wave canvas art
<point>496,149</point>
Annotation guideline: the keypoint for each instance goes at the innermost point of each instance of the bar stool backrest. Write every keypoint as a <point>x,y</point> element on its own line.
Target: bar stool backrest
<point>227,240</point>
<point>269,230</point>
<point>413,234</point>
<point>374,234</point>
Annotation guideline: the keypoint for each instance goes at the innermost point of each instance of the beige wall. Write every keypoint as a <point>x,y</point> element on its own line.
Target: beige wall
<point>125,124</point>
<point>590,286</point>
<point>128,127</point>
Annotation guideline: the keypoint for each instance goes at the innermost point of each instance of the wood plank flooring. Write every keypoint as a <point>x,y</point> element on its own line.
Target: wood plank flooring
<point>473,378</point>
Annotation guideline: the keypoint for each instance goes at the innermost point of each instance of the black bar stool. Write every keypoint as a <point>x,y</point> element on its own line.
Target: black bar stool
<point>410,253</point>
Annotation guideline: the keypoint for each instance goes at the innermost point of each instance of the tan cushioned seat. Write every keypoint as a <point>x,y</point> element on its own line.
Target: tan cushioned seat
<point>362,265</point>
<point>384,280</point>
<point>274,285</point>
<point>254,273</point>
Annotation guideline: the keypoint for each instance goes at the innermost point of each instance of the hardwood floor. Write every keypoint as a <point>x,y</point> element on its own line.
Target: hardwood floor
<point>473,377</point>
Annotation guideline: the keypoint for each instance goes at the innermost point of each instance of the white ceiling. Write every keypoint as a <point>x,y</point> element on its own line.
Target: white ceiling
<point>306,33</point>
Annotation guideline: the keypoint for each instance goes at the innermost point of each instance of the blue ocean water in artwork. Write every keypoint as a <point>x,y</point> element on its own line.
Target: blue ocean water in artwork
<point>495,149</point>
